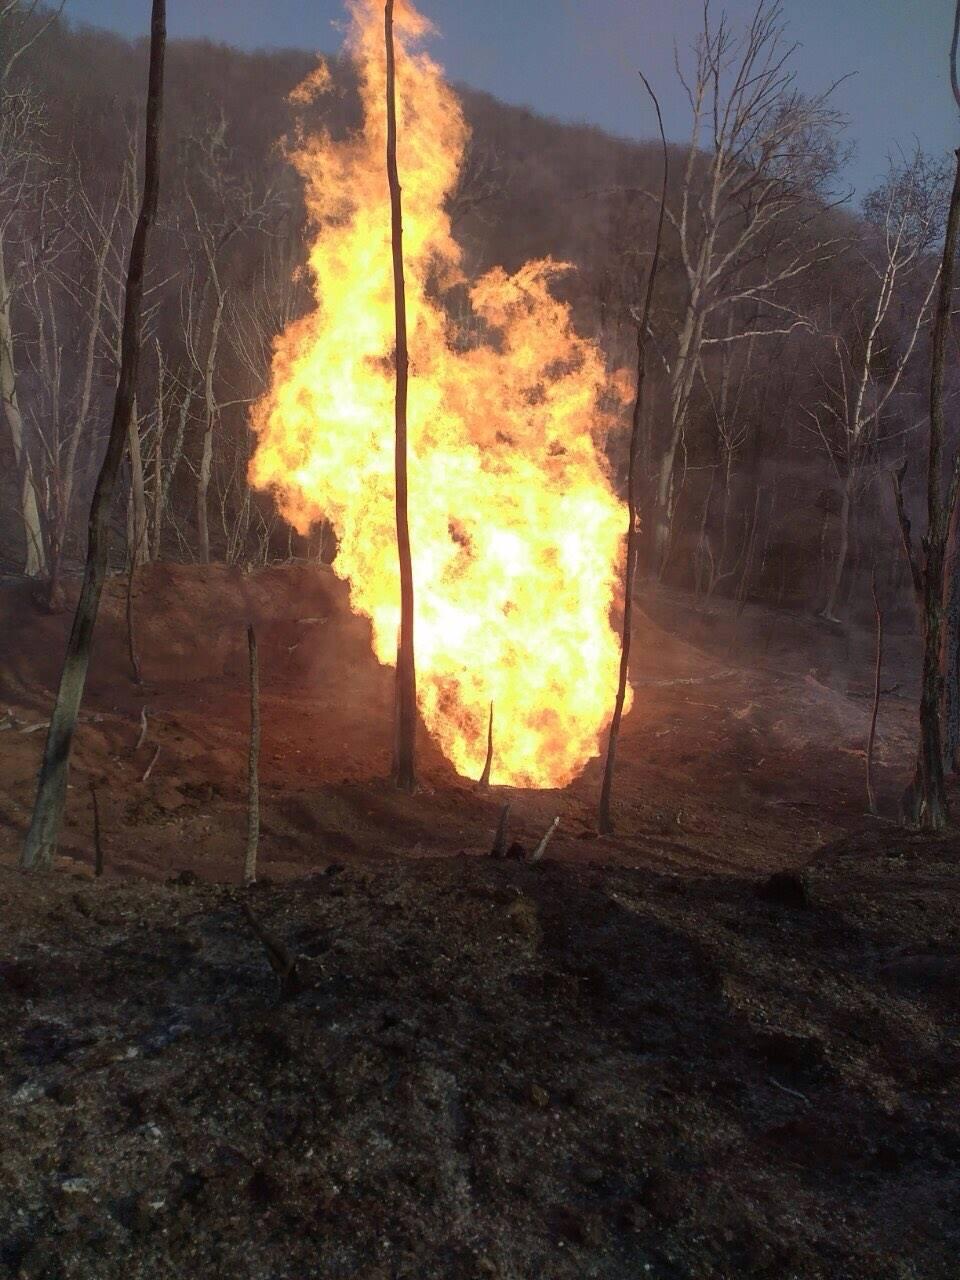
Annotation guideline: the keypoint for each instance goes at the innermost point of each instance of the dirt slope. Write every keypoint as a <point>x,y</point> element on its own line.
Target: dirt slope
<point>728,762</point>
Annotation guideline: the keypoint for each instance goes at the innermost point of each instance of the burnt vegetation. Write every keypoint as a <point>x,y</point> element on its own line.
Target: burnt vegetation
<point>300,999</point>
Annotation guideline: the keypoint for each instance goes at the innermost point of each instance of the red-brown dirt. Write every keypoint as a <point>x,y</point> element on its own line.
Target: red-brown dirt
<point>743,752</point>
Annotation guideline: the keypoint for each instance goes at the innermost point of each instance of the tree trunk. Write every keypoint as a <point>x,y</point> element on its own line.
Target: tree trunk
<point>682,385</point>
<point>950,648</point>
<point>604,819</point>
<point>843,550</point>
<point>139,548</point>
<point>70,467</point>
<point>206,458</point>
<point>934,813</point>
<point>168,473</point>
<point>406,666</point>
<point>47,819</point>
<point>35,565</point>
<point>156,486</point>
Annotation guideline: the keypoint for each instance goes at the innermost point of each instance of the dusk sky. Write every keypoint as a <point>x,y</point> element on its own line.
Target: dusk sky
<point>577,59</point>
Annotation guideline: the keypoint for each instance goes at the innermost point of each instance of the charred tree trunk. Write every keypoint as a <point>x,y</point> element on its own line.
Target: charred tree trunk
<point>604,821</point>
<point>406,667</point>
<point>47,819</point>
<point>927,805</point>
<point>97,838</point>
<point>940,518</point>
<point>950,648</point>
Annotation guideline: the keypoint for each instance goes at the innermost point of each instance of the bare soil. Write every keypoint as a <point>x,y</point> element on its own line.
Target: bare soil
<point>638,1057</point>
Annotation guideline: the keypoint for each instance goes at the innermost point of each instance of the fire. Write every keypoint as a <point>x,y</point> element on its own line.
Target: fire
<point>516,531</point>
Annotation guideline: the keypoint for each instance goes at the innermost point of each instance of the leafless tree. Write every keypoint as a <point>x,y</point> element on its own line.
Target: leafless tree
<point>21,162</point>
<point>926,796</point>
<point>604,817</point>
<point>72,294</point>
<point>733,419</point>
<point>406,714</point>
<point>47,818</point>
<point>223,203</point>
<point>745,217</point>
<point>867,368</point>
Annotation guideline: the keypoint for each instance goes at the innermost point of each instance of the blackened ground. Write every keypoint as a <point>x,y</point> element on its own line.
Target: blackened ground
<point>494,1070</point>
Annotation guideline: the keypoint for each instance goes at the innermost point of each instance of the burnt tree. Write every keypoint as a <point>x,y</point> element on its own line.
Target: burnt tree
<point>928,804</point>
<point>406,719</point>
<point>604,822</point>
<point>47,819</point>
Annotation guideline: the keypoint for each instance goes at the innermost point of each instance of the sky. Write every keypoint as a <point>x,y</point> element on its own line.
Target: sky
<point>577,59</point>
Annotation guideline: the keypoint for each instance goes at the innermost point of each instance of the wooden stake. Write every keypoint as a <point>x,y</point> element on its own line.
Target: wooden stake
<point>143,730</point>
<point>499,849</point>
<point>253,790</point>
<point>149,770</point>
<point>541,848</point>
<point>281,961</point>
<point>47,819</point>
<point>97,845</point>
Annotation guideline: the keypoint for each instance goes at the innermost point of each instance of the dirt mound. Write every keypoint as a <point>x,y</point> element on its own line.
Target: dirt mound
<point>724,765</point>
<point>190,623</point>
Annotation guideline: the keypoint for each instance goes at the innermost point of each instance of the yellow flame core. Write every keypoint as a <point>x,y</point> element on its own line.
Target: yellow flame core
<point>516,531</point>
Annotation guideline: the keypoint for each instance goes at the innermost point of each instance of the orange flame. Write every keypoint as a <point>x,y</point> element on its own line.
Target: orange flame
<point>516,531</point>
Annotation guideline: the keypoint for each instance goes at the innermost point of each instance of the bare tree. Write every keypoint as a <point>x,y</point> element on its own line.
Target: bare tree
<point>759,158</point>
<point>604,820</point>
<point>69,289</point>
<point>21,119</point>
<point>22,23</point>
<point>903,217</point>
<point>406,717</point>
<point>927,796</point>
<point>733,420</point>
<point>47,819</point>
<point>223,203</point>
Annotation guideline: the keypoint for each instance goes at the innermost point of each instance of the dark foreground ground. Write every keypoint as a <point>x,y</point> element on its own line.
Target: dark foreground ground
<point>494,1070</point>
<point>629,1060</point>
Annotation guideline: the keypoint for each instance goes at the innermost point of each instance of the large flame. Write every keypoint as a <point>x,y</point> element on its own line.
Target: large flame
<point>516,531</point>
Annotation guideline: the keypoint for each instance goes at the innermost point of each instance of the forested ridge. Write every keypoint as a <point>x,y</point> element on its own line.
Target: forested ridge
<point>789,337</point>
